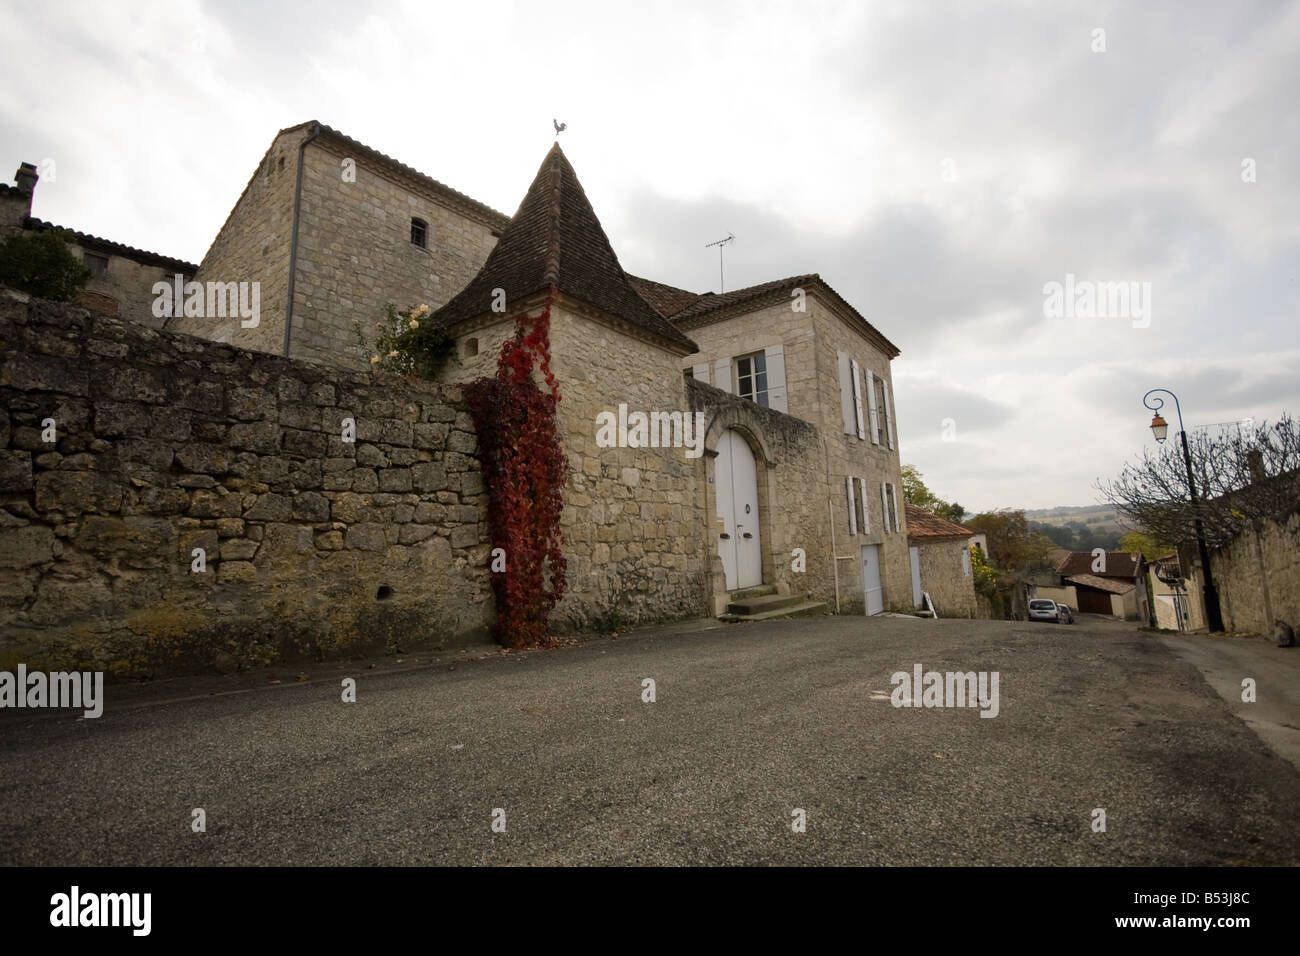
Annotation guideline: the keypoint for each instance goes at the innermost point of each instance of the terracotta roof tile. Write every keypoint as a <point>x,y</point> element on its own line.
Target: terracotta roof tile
<point>555,238</point>
<point>667,300</point>
<point>1101,584</point>
<point>926,524</point>
<point>1119,564</point>
<point>114,248</point>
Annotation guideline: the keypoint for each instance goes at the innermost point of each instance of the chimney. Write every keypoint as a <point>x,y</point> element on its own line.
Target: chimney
<point>26,178</point>
<point>1255,462</point>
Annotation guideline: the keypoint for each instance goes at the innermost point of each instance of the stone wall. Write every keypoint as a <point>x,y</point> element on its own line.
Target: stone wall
<point>945,577</point>
<point>164,443</point>
<point>1258,577</point>
<point>355,253</point>
<point>632,520</point>
<point>126,291</point>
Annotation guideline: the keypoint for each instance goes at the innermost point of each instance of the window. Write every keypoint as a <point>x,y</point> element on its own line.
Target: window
<point>97,264</point>
<point>751,378</point>
<point>853,508</point>
<point>419,233</point>
<point>689,373</point>
<point>469,349</point>
<point>888,506</point>
<point>882,420</point>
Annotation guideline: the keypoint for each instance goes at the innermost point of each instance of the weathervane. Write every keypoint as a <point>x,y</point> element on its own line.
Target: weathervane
<point>720,243</point>
<point>559,127</point>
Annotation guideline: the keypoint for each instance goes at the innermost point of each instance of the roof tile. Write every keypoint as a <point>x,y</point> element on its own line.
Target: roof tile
<point>555,239</point>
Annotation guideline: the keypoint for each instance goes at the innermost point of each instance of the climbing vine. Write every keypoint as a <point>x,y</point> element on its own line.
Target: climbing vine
<point>524,469</point>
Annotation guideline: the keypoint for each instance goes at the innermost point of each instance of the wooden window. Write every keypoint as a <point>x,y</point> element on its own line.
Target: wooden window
<point>751,378</point>
<point>97,264</point>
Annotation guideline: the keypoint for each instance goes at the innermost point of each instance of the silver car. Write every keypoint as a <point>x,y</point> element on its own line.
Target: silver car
<point>1041,609</point>
<point>1064,614</point>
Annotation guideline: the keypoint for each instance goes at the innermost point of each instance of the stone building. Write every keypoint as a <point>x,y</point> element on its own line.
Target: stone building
<point>121,277</point>
<point>790,498</point>
<point>333,231</point>
<point>941,566</point>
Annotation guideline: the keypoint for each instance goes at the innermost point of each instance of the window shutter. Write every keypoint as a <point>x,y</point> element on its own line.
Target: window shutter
<point>775,355</point>
<point>853,508</point>
<point>893,501</point>
<point>857,397</point>
<point>875,413</point>
<point>701,372</point>
<point>866,511</point>
<point>722,374</point>
<point>965,561</point>
<point>846,393</point>
<point>889,414</point>
<point>884,507</point>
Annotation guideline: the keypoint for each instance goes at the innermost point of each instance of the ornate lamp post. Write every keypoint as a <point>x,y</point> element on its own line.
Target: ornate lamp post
<point>1160,428</point>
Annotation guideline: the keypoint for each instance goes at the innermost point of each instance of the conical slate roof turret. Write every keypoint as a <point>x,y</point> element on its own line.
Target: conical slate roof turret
<point>555,238</point>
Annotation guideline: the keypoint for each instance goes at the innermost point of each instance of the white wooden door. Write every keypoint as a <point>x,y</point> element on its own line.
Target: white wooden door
<point>736,501</point>
<point>915,555</point>
<point>871,579</point>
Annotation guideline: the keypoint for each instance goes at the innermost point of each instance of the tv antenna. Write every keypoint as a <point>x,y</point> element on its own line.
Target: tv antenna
<point>720,243</point>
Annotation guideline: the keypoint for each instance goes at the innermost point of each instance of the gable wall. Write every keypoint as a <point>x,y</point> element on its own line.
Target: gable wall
<point>253,246</point>
<point>355,253</point>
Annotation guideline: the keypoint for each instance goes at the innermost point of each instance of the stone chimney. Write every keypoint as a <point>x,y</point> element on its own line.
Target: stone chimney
<point>26,178</point>
<point>1255,461</point>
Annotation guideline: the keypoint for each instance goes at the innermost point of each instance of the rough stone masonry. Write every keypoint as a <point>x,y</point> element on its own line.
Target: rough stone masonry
<point>169,504</point>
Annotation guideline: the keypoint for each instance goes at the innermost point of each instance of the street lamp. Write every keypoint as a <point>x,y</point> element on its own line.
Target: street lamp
<point>1160,428</point>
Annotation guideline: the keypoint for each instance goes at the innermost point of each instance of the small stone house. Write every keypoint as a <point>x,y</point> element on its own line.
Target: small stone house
<point>939,551</point>
<point>1113,584</point>
<point>121,276</point>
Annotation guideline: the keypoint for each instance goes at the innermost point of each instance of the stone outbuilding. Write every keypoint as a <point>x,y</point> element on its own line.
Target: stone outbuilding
<point>939,554</point>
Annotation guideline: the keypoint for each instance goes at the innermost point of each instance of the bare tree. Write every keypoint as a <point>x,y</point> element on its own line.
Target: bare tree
<point>1242,478</point>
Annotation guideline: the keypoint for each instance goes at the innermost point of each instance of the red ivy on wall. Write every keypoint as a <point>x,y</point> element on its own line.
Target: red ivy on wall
<point>524,469</point>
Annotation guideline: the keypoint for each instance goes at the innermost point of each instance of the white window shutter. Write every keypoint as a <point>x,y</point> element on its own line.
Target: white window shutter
<point>871,404</point>
<point>893,500</point>
<point>857,397</point>
<point>701,372</point>
<point>775,355</point>
<point>853,508</point>
<point>889,415</point>
<point>965,560</point>
<point>722,374</point>
<point>846,393</point>
<point>866,511</point>
<point>884,507</point>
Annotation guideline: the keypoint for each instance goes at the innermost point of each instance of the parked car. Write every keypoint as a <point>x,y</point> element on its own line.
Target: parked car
<point>1064,614</point>
<point>1041,609</point>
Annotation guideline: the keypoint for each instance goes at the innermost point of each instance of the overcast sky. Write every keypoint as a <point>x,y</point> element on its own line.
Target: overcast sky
<point>937,164</point>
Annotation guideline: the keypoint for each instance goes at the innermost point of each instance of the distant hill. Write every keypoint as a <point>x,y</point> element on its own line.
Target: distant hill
<point>1100,517</point>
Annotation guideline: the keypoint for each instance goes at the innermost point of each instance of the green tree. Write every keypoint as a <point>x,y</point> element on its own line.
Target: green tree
<point>915,490</point>
<point>1013,545</point>
<point>1142,543</point>
<point>953,512</point>
<point>40,264</point>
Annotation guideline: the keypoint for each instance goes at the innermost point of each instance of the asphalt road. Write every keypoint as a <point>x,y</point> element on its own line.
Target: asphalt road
<point>750,723</point>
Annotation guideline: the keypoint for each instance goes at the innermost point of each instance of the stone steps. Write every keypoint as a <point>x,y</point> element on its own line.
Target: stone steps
<point>763,607</point>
